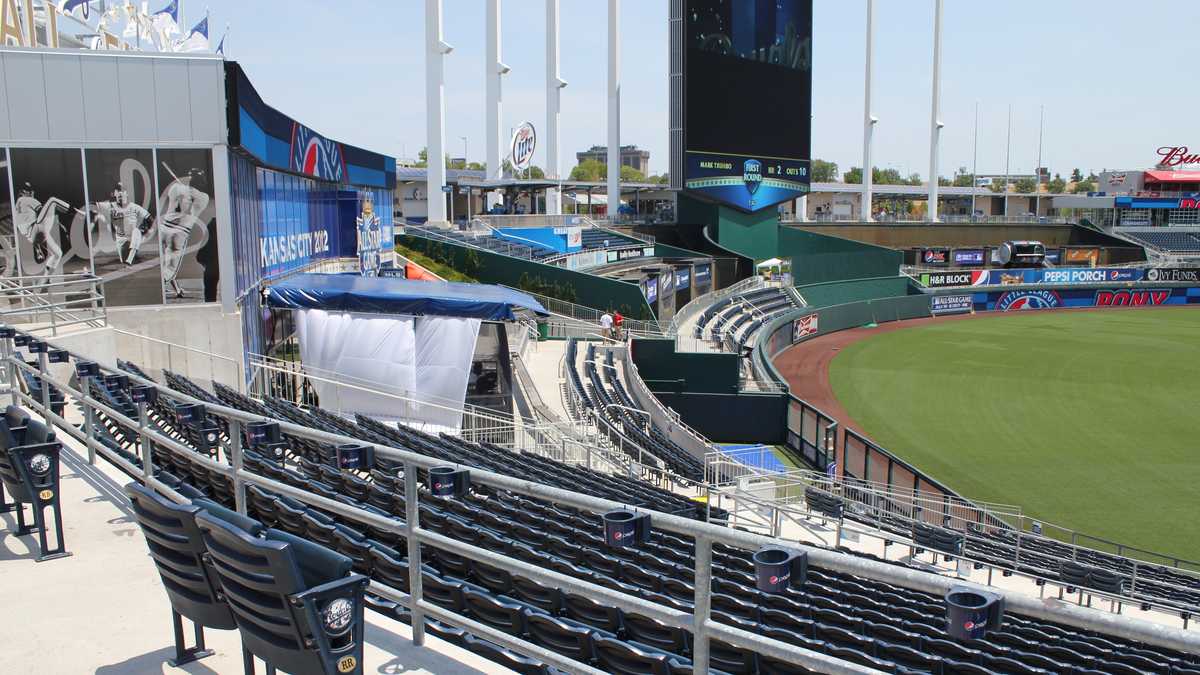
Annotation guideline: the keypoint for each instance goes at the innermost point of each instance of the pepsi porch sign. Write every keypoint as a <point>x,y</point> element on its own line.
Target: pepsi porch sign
<point>746,183</point>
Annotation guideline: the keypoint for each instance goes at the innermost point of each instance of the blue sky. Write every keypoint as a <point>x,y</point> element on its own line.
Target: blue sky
<point>1111,75</point>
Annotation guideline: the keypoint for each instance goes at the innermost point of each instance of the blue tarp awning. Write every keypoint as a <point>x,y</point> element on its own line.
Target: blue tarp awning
<point>390,295</point>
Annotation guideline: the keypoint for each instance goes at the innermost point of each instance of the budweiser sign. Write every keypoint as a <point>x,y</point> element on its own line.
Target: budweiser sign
<point>1176,155</point>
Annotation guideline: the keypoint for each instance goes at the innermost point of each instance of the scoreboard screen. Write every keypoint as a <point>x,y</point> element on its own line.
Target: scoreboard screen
<point>747,90</point>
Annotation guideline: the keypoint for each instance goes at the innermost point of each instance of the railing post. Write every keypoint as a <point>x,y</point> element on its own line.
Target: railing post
<point>144,435</point>
<point>42,364</point>
<point>235,458</point>
<point>88,420</point>
<point>412,521</point>
<point>8,351</point>
<point>702,603</point>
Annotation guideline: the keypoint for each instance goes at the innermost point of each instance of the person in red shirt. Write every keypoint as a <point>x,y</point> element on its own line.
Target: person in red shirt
<point>617,321</point>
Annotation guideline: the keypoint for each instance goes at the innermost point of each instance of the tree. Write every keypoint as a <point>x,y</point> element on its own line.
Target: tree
<point>1076,176</point>
<point>1057,185</point>
<point>881,177</point>
<point>422,158</point>
<point>1082,187</point>
<point>945,182</point>
<point>854,175</point>
<point>629,174</point>
<point>998,185</point>
<point>661,179</point>
<point>1026,186</point>
<point>824,172</point>
<point>962,178</point>
<point>589,170</point>
<point>477,166</point>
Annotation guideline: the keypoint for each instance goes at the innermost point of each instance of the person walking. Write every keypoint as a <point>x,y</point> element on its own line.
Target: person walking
<point>606,324</point>
<point>618,321</point>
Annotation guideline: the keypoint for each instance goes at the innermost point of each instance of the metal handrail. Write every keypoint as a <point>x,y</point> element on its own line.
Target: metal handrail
<point>236,364</point>
<point>704,534</point>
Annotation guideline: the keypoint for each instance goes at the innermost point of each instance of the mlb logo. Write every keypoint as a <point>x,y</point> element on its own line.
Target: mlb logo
<point>752,174</point>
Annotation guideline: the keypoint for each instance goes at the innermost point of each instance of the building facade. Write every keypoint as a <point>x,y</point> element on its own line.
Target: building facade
<point>631,156</point>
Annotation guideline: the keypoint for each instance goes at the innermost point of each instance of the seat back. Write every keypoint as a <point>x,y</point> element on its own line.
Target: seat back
<point>262,579</point>
<point>177,548</point>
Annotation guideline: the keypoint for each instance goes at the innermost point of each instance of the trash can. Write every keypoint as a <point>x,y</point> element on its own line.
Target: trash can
<point>543,331</point>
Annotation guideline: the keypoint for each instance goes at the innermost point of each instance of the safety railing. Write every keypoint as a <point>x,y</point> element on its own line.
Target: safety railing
<point>704,535</point>
<point>699,304</point>
<point>589,315</point>
<point>154,355</point>
<point>298,384</point>
<point>53,302</point>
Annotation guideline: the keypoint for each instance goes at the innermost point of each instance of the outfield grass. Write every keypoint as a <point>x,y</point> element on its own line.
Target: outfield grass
<point>1090,420</point>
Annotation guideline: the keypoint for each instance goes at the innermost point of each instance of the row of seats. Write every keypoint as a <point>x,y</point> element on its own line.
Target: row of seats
<point>1167,240</point>
<point>861,620</point>
<point>875,619</point>
<point>606,398</point>
<point>753,297</point>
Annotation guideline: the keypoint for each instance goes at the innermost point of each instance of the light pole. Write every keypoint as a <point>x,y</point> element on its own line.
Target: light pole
<point>1007,157</point>
<point>935,130</point>
<point>464,140</point>
<point>975,163</point>
<point>1037,191</point>
<point>869,120</point>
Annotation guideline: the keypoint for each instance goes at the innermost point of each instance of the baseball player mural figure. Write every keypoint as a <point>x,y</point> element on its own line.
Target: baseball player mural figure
<point>129,223</point>
<point>37,222</point>
<point>185,201</point>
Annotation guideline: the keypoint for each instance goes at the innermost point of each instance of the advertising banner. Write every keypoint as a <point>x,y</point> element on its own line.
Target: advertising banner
<point>1080,256</point>
<point>966,257</point>
<point>683,278</point>
<point>651,289</point>
<point>1173,275</point>
<point>124,231</point>
<point>187,226</point>
<point>935,256</point>
<point>1063,276</point>
<point>946,279</point>
<point>950,304</point>
<point>703,275</point>
<point>370,235</point>
<point>1027,299</point>
<point>804,326</point>
<point>666,283</point>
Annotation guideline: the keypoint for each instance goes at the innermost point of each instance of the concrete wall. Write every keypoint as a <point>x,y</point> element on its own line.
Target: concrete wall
<point>205,329</point>
<point>914,235</point>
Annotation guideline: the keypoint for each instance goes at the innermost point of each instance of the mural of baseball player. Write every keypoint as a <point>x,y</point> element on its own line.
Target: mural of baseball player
<point>8,244</point>
<point>185,209</point>
<point>37,222</point>
<point>123,227</point>
<point>49,184</point>
<point>127,223</point>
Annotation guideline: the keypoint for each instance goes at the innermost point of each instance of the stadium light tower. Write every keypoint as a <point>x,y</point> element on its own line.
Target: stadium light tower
<point>869,120</point>
<point>614,108</point>
<point>435,111</point>
<point>494,69</point>
<point>554,85</point>
<point>935,125</point>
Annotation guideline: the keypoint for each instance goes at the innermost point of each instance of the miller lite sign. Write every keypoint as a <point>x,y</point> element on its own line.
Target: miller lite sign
<point>524,141</point>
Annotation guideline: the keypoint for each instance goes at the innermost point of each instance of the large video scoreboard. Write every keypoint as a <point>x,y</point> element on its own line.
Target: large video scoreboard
<point>741,100</point>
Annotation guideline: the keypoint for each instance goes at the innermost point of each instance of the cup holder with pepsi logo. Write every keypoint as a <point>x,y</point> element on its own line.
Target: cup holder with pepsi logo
<point>972,614</point>
<point>626,528</point>
<point>778,569</point>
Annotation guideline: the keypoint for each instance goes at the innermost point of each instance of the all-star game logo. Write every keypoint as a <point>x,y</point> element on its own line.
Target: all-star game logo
<point>752,176</point>
<point>370,238</point>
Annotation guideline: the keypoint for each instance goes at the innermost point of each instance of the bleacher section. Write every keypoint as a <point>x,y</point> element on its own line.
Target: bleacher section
<point>864,621</point>
<point>1166,240</point>
<point>735,320</point>
<point>606,397</point>
<point>591,238</point>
